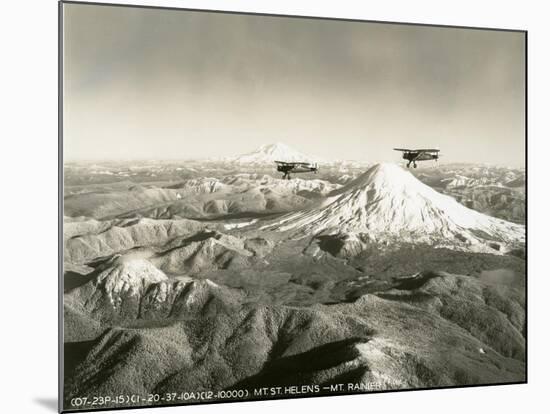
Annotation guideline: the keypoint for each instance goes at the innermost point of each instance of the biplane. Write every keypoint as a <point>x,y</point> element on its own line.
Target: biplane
<point>296,167</point>
<point>414,155</point>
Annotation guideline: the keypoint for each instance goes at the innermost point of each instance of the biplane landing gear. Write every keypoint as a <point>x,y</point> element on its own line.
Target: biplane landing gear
<point>286,176</point>
<point>414,164</point>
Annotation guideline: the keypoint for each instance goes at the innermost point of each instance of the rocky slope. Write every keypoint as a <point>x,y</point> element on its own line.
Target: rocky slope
<point>198,198</point>
<point>125,289</point>
<point>417,334</point>
<point>88,240</point>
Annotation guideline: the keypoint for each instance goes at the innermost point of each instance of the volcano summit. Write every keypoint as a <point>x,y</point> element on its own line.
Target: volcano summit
<point>388,204</point>
<point>270,153</point>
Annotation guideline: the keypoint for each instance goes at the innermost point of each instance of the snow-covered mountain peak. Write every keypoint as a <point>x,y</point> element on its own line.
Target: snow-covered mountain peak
<point>387,203</point>
<point>127,277</point>
<point>384,176</point>
<point>277,147</point>
<point>274,152</point>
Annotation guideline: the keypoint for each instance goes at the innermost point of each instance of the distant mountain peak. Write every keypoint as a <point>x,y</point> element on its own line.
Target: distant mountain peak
<point>277,151</point>
<point>276,146</point>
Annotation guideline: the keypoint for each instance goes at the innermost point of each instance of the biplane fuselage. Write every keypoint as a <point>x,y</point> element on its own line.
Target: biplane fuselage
<point>296,167</point>
<point>418,155</point>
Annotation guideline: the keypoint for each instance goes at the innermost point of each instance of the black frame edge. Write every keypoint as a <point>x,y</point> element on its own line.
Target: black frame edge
<point>60,210</point>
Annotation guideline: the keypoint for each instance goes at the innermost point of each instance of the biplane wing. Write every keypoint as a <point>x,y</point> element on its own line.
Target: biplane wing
<point>417,150</point>
<point>293,163</point>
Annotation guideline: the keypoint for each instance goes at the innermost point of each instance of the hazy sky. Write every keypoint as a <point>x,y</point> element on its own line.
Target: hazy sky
<point>165,84</point>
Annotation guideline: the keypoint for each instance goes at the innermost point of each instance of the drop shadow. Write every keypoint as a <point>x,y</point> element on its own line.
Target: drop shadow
<point>48,402</point>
